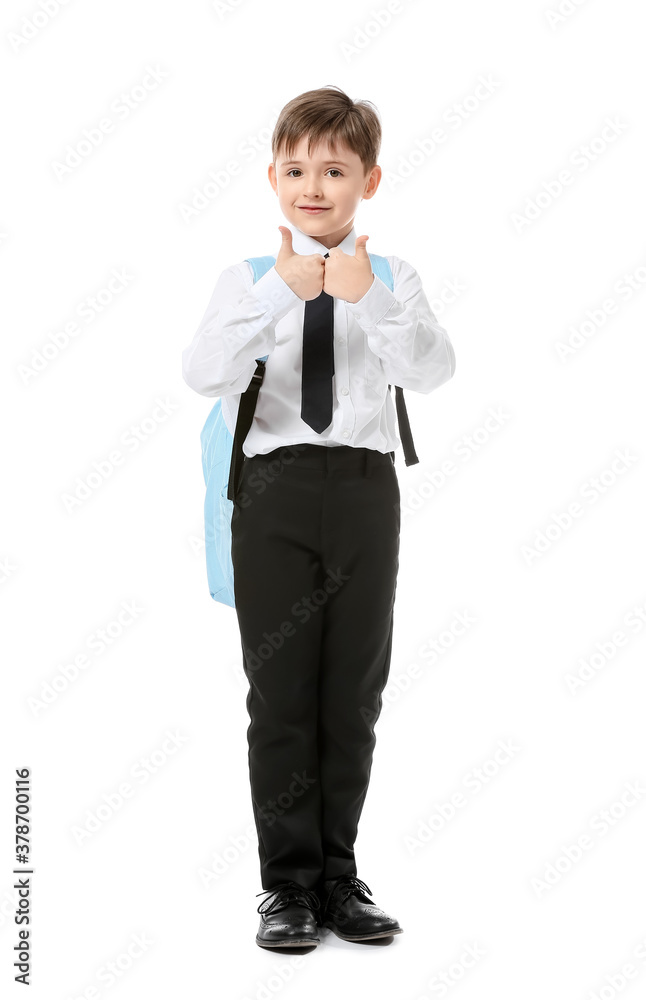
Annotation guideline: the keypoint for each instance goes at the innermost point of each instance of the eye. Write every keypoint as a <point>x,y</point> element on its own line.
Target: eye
<point>298,170</point>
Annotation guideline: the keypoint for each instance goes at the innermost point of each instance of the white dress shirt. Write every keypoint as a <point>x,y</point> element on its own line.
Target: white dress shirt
<point>384,338</point>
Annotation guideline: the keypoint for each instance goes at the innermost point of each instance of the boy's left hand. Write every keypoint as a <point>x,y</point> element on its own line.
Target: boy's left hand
<point>347,277</point>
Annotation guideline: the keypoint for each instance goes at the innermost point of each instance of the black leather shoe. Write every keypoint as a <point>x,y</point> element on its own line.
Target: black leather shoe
<point>289,919</point>
<point>349,912</point>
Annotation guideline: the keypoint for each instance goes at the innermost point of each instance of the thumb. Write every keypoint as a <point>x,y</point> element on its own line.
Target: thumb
<point>286,244</point>
<point>360,247</point>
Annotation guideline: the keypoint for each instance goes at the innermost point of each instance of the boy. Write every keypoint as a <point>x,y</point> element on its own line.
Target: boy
<point>315,525</point>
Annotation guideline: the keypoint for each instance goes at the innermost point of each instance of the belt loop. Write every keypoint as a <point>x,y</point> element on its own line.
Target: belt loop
<point>368,463</point>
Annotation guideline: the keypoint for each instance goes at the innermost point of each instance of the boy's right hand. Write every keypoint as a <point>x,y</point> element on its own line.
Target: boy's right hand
<point>303,273</point>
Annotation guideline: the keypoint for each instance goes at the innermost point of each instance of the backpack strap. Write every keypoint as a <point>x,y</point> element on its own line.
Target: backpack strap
<point>246,410</point>
<point>260,265</point>
<point>249,398</point>
<point>381,268</point>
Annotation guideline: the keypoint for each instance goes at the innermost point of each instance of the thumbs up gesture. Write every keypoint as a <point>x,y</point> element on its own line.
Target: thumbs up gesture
<point>302,272</point>
<point>342,275</point>
<point>346,276</point>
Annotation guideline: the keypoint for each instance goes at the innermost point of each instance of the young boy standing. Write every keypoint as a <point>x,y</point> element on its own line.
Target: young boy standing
<point>315,525</point>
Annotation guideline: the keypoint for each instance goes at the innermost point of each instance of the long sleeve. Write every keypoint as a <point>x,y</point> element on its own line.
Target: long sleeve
<point>402,331</point>
<point>237,327</point>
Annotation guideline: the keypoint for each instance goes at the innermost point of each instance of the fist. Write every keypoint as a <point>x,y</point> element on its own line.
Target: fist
<point>303,273</point>
<point>349,276</point>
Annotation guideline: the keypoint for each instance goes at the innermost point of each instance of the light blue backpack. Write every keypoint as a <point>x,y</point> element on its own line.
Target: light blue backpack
<point>222,456</point>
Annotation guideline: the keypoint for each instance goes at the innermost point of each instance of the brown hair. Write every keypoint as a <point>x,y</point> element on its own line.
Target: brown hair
<point>328,113</point>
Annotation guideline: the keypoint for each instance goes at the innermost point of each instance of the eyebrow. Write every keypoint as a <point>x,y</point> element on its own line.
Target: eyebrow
<point>326,163</point>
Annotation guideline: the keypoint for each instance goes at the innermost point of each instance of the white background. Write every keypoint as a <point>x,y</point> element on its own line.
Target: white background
<point>523,283</point>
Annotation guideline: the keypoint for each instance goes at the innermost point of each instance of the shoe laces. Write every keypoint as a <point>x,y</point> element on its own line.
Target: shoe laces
<point>346,885</point>
<point>286,893</point>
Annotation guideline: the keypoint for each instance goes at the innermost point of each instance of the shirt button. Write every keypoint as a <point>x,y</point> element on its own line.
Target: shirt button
<point>346,434</point>
<point>342,340</point>
<point>345,390</point>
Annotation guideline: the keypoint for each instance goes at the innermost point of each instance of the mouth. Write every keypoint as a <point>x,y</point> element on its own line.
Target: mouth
<point>313,210</point>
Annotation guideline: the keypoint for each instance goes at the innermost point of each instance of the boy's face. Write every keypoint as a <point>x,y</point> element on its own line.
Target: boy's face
<point>336,181</point>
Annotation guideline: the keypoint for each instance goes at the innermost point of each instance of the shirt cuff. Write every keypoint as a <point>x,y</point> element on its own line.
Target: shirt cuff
<point>374,305</point>
<point>274,294</point>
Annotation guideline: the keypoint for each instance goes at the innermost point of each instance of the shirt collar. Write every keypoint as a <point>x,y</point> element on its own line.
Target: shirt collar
<point>304,244</point>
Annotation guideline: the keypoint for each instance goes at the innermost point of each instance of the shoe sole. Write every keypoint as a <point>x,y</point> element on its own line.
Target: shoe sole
<point>288,943</point>
<point>364,937</point>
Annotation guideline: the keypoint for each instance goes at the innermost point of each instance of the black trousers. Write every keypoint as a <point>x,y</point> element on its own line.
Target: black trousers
<point>315,552</point>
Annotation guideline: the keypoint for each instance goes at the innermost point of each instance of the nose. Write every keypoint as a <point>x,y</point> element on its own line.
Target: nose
<point>313,190</point>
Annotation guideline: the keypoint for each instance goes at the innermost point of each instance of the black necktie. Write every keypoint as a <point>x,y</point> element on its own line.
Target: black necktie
<point>318,362</point>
